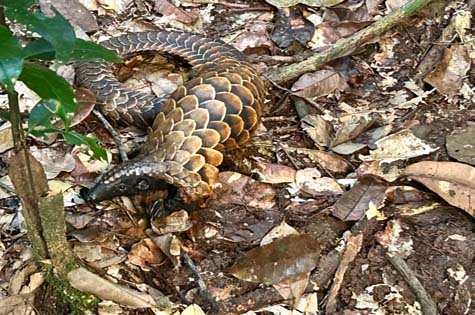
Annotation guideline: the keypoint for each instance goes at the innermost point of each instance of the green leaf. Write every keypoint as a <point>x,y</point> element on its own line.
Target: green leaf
<point>11,59</point>
<point>50,86</point>
<point>39,49</point>
<point>75,138</point>
<point>89,51</point>
<point>56,29</point>
<point>40,116</point>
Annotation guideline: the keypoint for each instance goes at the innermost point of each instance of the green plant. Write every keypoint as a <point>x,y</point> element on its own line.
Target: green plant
<point>57,42</point>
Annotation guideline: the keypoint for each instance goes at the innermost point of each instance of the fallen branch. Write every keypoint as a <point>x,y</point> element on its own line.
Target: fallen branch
<point>427,304</point>
<point>346,45</point>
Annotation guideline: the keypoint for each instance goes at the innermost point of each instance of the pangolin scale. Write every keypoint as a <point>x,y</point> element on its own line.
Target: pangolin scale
<point>215,111</point>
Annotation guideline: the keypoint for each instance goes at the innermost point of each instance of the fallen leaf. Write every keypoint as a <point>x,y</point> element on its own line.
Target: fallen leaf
<point>365,139</point>
<point>280,260</point>
<point>254,40</point>
<point>319,83</point>
<point>402,145</point>
<point>394,241</point>
<point>354,203</point>
<point>6,137</point>
<point>167,8</point>
<point>353,126</point>
<point>293,288</point>
<point>448,76</point>
<point>193,309</point>
<point>54,161</point>
<point>309,180</point>
<point>461,145</point>
<point>146,254</point>
<point>242,190</point>
<point>280,231</point>
<point>73,11</point>
<point>318,129</point>
<point>404,194</point>
<point>274,173</point>
<point>454,182</point>
<point>86,101</point>
<point>178,221</point>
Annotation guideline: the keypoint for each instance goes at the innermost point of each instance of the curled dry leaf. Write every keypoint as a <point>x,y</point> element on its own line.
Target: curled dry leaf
<point>242,190</point>
<point>454,182</point>
<point>461,146</point>
<point>280,260</point>
<point>448,76</point>
<point>275,173</point>
<point>355,202</point>
<point>178,221</point>
<point>73,11</point>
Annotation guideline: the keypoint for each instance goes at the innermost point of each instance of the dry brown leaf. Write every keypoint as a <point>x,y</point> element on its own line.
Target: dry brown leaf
<point>279,260</point>
<point>254,40</point>
<point>54,161</point>
<point>293,288</point>
<point>86,101</point>
<point>355,202</point>
<point>167,8</point>
<point>242,190</point>
<point>448,76</point>
<point>319,83</point>
<point>193,309</point>
<point>73,11</point>
<point>282,230</point>
<point>146,254</point>
<point>353,126</point>
<point>291,27</point>
<point>275,173</point>
<point>178,221</point>
<point>454,182</point>
<point>318,129</point>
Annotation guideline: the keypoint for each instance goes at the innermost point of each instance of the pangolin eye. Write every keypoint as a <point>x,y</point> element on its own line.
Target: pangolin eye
<point>122,186</point>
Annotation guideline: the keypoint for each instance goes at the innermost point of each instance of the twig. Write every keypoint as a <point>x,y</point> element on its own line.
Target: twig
<point>353,246</point>
<point>345,46</point>
<point>113,133</point>
<point>201,284</point>
<point>427,304</point>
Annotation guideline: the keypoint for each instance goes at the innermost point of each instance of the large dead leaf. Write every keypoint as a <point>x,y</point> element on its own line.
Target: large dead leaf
<point>454,182</point>
<point>54,161</point>
<point>86,101</point>
<point>73,11</point>
<point>280,260</point>
<point>146,254</point>
<point>319,83</point>
<point>275,173</point>
<point>355,202</point>
<point>448,76</point>
<point>309,180</point>
<point>400,146</point>
<point>318,129</point>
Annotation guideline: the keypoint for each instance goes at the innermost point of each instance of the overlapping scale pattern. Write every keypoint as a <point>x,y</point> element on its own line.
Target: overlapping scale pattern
<point>217,110</point>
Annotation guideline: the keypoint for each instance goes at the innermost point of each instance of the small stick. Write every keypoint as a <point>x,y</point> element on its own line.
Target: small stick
<point>427,304</point>
<point>113,133</point>
<point>201,284</point>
